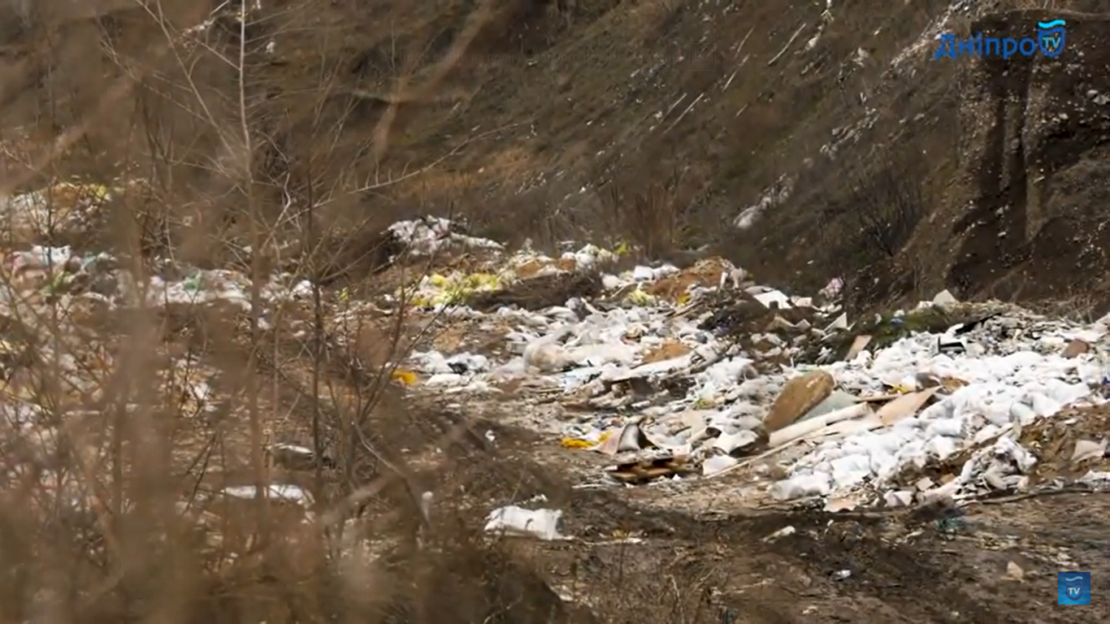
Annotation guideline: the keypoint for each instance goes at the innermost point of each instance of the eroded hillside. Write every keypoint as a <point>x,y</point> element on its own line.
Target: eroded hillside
<point>829,126</point>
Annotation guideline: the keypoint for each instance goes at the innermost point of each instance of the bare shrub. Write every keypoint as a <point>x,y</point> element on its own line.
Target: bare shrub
<point>887,206</point>
<point>135,422</point>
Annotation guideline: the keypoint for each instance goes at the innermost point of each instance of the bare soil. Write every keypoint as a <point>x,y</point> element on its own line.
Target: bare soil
<point>636,562</point>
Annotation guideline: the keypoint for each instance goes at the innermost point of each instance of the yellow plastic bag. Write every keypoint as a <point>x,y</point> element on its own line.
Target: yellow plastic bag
<point>579,443</point>
<point>404,377</point>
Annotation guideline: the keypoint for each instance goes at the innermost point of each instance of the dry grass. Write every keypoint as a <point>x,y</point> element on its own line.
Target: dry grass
<point>651,216</point>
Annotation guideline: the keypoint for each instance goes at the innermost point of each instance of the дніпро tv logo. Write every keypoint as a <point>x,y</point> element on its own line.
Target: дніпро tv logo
<point>1049,42</point>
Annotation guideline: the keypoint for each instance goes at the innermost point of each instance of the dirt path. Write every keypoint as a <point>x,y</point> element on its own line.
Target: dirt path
<point>631,562</point>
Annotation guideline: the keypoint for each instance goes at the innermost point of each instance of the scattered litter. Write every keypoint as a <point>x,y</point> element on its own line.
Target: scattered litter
<point>590,440</point>
<point>858,345</point>
<point>1075,348</point>
<point>1086,450</point>
<point>797,397</point>
<point>717,463</point>
<point>945,299</point>
<point>635,470</point>
<point>292,456</point>
<point>694,394</point>
<point>680,374</point>
<point>291,493</point>
<point>785,531</point>
<point>846,502</point>
<point>432,234</point>
<point>404,377</point>
<point>512,520</point>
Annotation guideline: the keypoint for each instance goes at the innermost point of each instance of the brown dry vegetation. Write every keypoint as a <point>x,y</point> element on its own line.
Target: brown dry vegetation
<point>287,141</point>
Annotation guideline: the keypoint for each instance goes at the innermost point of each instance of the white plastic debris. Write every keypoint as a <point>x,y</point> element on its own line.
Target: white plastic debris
<point>971,386</point>
<point>1088,449</point>
<point>513,520</point>
<point>428,235</point>
<point>729,442</point>
<point>773,299</point>
<point>785,531</point>
<point>945,299</point>
<point>898,498</point>
<point>718,463</point>
<point>293,493</point>
<point>832,289</point>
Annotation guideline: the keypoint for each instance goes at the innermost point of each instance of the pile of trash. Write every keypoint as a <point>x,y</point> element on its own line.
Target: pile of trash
<point>59,305</point>
<point>64,208</point>
<point>673,374</point>
<point>970,390</point>
<point>476,265</point>
<point>724,376</point>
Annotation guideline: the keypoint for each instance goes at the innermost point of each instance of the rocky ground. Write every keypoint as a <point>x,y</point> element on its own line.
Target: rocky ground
<point>684,318</point>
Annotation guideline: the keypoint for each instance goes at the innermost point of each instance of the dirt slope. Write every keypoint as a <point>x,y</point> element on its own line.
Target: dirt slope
<point>659,121</point>
<point>1034,159</point>
<point>663,120</point>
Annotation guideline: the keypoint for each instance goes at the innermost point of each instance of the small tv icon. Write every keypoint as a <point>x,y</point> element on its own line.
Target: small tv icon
<point>1073,588</point>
